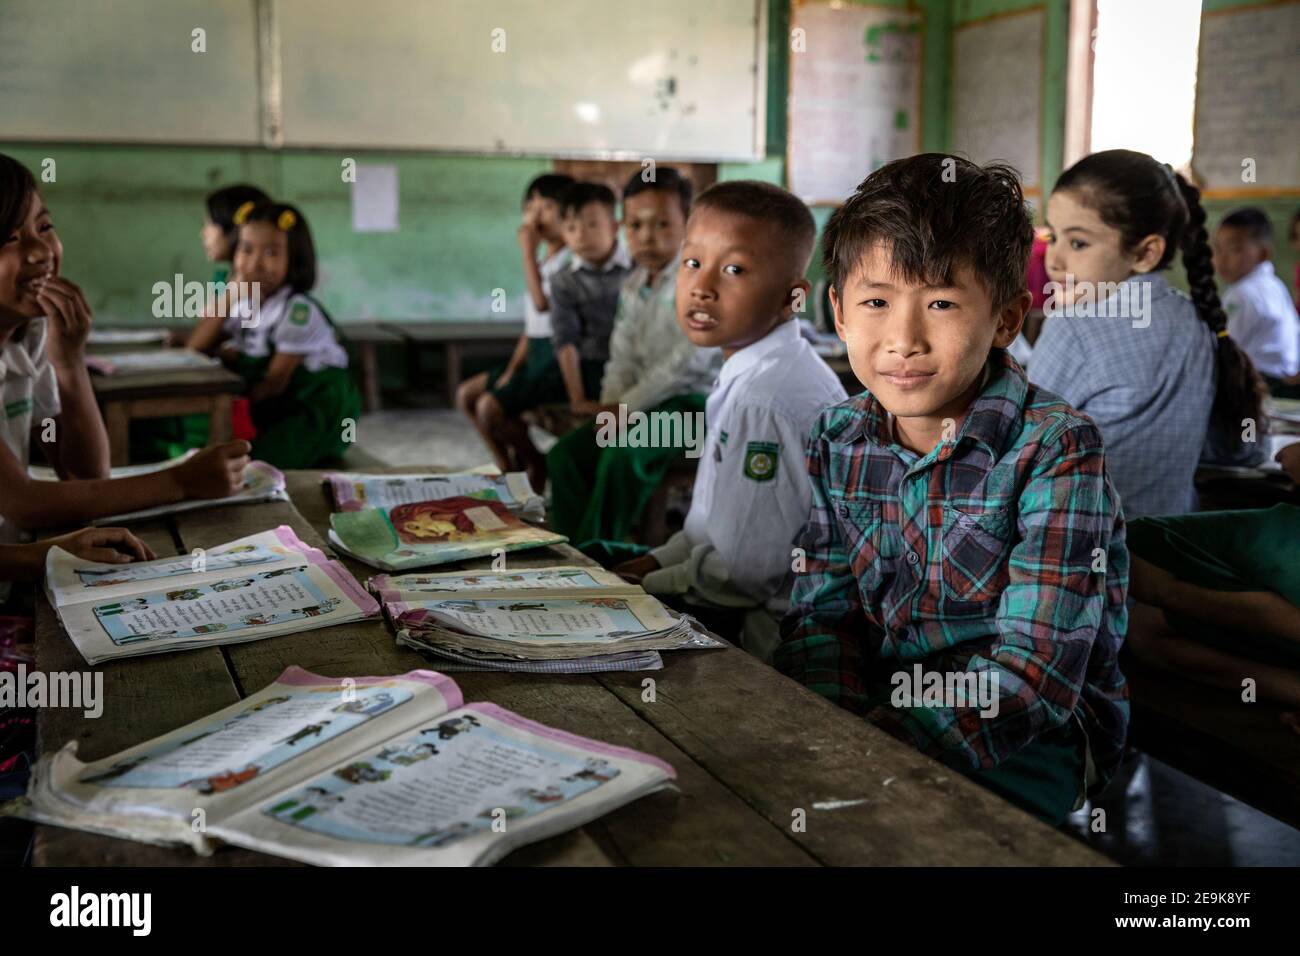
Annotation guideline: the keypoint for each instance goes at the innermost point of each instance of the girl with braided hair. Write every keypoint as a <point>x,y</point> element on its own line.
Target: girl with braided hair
<point>1153,368</point>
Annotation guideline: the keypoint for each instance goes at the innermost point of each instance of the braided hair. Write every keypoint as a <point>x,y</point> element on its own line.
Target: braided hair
<point>1138,196</point>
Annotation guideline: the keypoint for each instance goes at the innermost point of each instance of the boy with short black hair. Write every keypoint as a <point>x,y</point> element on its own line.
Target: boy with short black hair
<point>741,280</point>
<point>598,493</point>
<point>963,528</point>
<point>1261,316</point>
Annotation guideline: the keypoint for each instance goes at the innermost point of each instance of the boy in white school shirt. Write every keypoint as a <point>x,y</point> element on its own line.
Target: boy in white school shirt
<point>1262,318</point>
<point>740,282</point>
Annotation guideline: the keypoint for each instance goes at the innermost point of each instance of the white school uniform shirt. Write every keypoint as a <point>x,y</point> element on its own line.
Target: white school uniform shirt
<point>1262,320</point>
<point>290,323</point>
<point>29,393</point>
<point>650,357</point>
<point>752,494</point>
<point>537,322</point>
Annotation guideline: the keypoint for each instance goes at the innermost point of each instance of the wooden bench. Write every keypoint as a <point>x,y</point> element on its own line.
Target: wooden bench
<point>457,339</point>
<point>364,338</point>
<point>755,753</point>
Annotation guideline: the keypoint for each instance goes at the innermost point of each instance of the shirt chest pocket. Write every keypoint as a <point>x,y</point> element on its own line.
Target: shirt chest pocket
<point>976,544</point>
<point>864,542</point>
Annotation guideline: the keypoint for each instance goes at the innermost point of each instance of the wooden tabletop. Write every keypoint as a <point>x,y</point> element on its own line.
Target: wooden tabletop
<point>214,380</point>
<point>436,331</point>
<point>751,747</point>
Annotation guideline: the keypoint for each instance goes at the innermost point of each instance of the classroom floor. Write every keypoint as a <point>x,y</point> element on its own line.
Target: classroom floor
<point>1155,814</point>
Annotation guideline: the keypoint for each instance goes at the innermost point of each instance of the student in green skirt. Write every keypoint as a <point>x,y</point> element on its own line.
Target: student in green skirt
<point>1219,595</point>
<point>517,384</point>
<point>282,342</point>
<point>653,368</point>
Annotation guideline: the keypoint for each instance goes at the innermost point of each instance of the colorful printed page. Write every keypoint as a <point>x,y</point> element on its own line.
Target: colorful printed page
<point>292,730</point>
<point>434,532</point>
<point>247,605</point>
<point>72,580</point>
<point>562,581</point>
<point>262,482</point>
<point>462,789</point>
<point>353,492</point>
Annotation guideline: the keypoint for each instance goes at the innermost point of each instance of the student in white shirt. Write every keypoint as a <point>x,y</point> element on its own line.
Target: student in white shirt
<point>742,273</point>
<point>598,492</point>
<point>46,396</point>
<point>281,341</point>
<point>1262,318</point>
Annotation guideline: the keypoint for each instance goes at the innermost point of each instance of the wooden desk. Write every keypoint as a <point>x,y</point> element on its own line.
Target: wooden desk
<point>750,746</point>
<point>455,338</point>
<point>204,391</point>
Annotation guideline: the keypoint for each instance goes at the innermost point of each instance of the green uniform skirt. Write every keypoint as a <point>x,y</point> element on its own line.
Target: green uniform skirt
<point>1250,550</point>
<point>599,493</point>
<point>539,380</point>
<point>303,426</point>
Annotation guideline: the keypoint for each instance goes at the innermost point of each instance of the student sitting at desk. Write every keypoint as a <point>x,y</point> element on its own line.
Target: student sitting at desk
<point>742,272</point>
<point>598,493</point>
<point>285,346</point>
<point>963,527</point>
<point>46,395</point>
<point>1261,316</point>
<point>219,232</point>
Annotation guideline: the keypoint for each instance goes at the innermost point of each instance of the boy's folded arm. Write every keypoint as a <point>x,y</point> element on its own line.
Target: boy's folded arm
<point>660,381</point>
<point>566,327</point>
<point>1049,616</point>
<point>673,551</point>
<point>620,370</point>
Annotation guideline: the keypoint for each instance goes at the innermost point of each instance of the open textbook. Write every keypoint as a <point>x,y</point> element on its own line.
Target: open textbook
<point>339,771</point>
<point>259,586</point>
<point>559,615</point>
<point>353,492</point>
<point>422,533</point>
<point>149,360</point>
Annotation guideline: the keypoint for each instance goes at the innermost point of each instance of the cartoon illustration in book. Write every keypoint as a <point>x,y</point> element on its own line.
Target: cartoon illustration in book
<point>185,594</point>
<point>122,607</point>
<point>206,628</point>
<point>117,770</point>
<point>510,813</point>
<point>465,607</point>
<point>551,794</point>
<point>450,728</point>
<point>524,607</point>
<point>443,520</point>
<point>147,636</point>
<point>362,772</point>
<point>256,619</point>
<point>313,800</point>
<point>219,783</point>
<point>316,610</point>
<point>407,754</point>
<point>614,604</point>
<point>596,769</point>
<point>232,585</point>
<point>279,571</point>
<point>311,730</point>
<point>269,702</point>
<point>436,838</point>
<point>371,706</point>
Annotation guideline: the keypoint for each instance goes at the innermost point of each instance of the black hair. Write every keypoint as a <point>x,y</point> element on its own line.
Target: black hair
<point>580,195</point>
<point>936,213</point>
<point>1253,222</point>
<point>770,205</point>
<point>1140,197</point>
<point>301,276</point>
<point>1295,222</point>
<point>223,203</point>
<point>663,179</point>
<point>17,187</point>
<point>549,186</point>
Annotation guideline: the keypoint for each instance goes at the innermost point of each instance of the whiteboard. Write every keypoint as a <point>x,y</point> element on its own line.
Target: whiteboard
<point>669,79</point>
<point>997,92</point>
<point>124,71</point>
<point>1248,100</point>
<point>855,95</point>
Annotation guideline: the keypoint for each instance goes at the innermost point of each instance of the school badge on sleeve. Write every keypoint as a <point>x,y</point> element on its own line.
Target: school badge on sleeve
<point>300,314</point>
<point>761,458</point>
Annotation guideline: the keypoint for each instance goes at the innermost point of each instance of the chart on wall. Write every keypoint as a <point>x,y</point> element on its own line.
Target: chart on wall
<point>855,95</point>
<point>997,92</point>
<point>1248,100</point>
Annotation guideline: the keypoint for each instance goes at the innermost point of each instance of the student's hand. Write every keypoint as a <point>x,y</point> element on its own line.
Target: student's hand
<point>530,237</point>
<point>229,354</point>
<point>69,317</point>
<point>1151,584</point>
<point>585,408</point>
<point>216,472</point>
<point>633,571</point>
<point>1289,459</point>
<point>106,545</point>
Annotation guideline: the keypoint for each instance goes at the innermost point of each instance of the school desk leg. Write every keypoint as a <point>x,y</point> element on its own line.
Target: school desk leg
<point>219,420</point>
<point>117,422</point>
<point>369,355</point>
<point>451,352</point>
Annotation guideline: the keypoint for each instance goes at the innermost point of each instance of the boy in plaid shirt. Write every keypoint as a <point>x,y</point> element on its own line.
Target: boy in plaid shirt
<point>964,535</point>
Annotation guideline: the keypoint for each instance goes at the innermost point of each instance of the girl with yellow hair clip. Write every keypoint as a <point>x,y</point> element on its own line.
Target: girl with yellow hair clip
<point>270,330</point>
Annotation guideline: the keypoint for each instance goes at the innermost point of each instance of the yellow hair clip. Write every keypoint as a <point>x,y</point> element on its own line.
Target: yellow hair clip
<point>241,214</point>
<point>287,220</point>
<point>1222,333</point>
